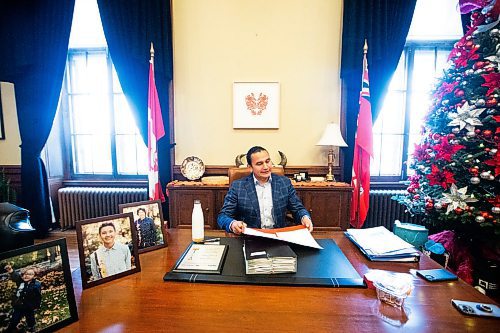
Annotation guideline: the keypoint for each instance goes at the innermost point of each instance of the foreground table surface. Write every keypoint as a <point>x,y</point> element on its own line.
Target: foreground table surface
<point>143,302</point>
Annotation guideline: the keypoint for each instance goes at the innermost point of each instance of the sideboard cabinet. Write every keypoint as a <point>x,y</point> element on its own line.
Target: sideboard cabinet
<point>328,203</point>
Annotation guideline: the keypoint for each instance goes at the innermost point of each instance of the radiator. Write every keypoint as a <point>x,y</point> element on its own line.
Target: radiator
<point>80,203</point>
<point>384,211</point>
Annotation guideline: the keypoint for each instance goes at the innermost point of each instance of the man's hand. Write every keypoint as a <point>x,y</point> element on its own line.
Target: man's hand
<point>306,222</point>
<point>238,227</point>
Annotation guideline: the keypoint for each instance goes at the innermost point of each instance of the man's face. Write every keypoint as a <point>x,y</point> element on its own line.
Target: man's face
<point>28,275</point>
<point>142,215</point>
<point>108,235</point>
<point>261,165</point>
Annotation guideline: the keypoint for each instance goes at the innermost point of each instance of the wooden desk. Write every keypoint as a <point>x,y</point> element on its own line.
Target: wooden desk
<point>143,302</point>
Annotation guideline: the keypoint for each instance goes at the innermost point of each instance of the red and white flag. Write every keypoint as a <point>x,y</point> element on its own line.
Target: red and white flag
<point>155,132</point>
<point>363,151</point>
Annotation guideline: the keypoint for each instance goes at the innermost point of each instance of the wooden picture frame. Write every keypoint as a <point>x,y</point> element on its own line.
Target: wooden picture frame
<point>100,264</point>
<point>50,297</point>
<point>256,105</point>
<point>152,212</point>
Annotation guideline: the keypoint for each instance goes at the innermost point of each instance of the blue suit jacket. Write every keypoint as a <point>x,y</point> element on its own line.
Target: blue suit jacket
<point>241,203</point>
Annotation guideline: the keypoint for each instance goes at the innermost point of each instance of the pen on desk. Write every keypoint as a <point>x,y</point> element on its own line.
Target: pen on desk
<point>212,240</point>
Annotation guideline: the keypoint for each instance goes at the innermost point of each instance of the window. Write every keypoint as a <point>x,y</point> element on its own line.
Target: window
<point>101,131</point>
<point>397,127</point>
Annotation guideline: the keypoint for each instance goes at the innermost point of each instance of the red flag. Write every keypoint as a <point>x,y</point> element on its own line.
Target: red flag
<point>155,132</point>
<point>363,150</point>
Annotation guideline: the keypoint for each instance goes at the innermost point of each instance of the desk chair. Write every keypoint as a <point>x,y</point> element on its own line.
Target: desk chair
<point>237,173</point>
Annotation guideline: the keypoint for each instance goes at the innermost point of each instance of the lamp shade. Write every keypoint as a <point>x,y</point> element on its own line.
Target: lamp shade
<point>332,136</point>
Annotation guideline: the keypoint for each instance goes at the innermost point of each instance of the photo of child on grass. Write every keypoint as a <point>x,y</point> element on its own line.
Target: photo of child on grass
<point>34,292</point>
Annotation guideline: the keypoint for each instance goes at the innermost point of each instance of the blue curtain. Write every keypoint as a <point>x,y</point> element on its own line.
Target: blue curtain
<point>130,27</point>
<point>385,25</point>
<point>34,36</point>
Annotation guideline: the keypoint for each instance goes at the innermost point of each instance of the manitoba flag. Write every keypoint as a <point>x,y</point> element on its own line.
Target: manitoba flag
<point>363,150</point>
<point>155,132</point>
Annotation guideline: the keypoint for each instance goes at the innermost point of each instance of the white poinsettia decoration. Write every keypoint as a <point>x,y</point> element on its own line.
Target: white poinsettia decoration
<point>466,116</point>
<point>457,198</point>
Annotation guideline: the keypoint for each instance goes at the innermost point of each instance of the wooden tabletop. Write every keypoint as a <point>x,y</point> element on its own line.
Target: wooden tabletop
<point>143,302</point>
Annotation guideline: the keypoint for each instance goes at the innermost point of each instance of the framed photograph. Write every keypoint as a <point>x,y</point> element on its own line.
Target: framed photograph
<point>36,288</point>
<point>148,222</point>
<point>256,104</point>
<point>108,248</point>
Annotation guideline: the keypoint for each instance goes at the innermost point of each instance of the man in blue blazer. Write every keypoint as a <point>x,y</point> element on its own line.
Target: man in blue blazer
<point>261,199</point>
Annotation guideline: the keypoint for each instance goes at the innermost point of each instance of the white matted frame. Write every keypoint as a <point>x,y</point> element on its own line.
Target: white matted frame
<point>256,104</point>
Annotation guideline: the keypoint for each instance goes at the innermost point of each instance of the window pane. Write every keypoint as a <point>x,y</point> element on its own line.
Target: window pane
<point>131,155</point>
<point>436,20</point>
<point>90,114</point>
<point>392,149</point>
<point>89,73</point>
<point>92,154</point>
<point>375,162</point>
<point>392,116</point>
<point>124,120</point>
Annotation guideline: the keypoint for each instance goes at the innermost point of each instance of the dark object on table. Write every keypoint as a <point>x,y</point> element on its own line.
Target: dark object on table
<point>15,227</point>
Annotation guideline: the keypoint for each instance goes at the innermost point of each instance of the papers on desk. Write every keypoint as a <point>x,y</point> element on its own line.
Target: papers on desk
<point>264,256</point>
<point>379,244</point>
<point>202,258</point>
<point>296,235</point>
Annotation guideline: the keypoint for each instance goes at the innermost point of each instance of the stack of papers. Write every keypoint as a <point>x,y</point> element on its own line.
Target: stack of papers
<point>379,244</point>
<point>268,257</point>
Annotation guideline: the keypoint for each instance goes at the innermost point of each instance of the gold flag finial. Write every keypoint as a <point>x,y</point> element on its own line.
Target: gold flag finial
<point>365,48</point>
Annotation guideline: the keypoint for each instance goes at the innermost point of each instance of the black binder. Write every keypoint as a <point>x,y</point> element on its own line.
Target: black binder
<point>267,256</point>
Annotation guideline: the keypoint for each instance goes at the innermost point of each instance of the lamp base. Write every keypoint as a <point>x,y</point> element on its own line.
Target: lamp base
<point>330,178</point>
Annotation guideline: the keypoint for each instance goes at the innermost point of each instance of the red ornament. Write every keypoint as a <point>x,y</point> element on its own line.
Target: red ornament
<point>459,211</point>
<point>489,69</point>
<point>491,102</point>
<point>451,136</point>
<point>484,214</point>
<point>487,133</point>
<point>458,93</point>
<point>469,44</point>
<point>474,171</point>
<point>477,131</point>
<point>429,205</point>
<point>416,196</point>
<point>479,64</point>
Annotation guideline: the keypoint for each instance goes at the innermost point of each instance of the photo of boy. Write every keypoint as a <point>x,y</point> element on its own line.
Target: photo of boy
<point>27,299</point>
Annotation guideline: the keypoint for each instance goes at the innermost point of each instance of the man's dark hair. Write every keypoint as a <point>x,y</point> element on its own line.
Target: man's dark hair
<point>106,224</point>
<point>253,150</point>
<point>142,210</point>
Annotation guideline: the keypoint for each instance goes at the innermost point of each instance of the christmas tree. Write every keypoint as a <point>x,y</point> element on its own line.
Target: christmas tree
<point>456,165</point>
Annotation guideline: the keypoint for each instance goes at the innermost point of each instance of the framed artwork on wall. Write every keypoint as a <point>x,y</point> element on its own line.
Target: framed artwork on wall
<point>108,248</point>
<point>148,221</point>
<point>256,104</point>
<point>36,288</point>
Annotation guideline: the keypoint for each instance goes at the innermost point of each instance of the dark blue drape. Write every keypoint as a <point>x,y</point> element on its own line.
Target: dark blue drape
<point>34,36</point>
<point>385,25</point>
<point>130,27</point>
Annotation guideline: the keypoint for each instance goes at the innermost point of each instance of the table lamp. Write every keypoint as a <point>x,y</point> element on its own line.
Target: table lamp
<point>331,137</point>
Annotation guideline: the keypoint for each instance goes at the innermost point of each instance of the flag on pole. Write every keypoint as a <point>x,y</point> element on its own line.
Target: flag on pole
<point>363,151</point>
<point>155,132</point>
